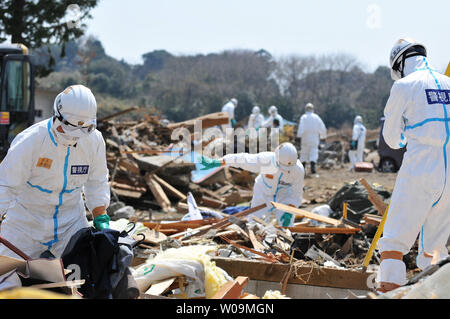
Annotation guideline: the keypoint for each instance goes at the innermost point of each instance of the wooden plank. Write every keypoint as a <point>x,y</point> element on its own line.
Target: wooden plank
<point>232,289</point>
<point>212,202</point>
<point>159,287</point>
<point>159,194</point>
<point>265,256</point>
<point>170,188</point>
<point>374,198</point>
<point>304,275</point>
<point>208,120</point>
<point>323,230</point>
<point>256,244</point>
<point>304,213</point>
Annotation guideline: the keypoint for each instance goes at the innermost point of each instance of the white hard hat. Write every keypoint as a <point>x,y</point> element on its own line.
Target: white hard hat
<point>309,106</point>
<point>76,109</point>
<point>358,119</point>
<point>273,109</point>
<point>286,155</point>
<point>234,101</point>
<point>404,48</point>
<point>256,109</point>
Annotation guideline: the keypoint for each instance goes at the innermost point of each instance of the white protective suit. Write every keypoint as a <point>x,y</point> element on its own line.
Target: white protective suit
<point>417,113</point>
<point>255,120</point>
<point>310,129</point>
<point>228,108</point>
<point>269,121</point>
<point>359,135</point>
<point>40,188</point>
<point>272,184</point>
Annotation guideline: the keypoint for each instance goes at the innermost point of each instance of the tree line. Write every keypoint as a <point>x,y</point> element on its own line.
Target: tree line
<point>185,86</point>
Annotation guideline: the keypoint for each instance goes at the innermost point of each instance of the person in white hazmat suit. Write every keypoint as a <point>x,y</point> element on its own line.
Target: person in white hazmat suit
<point>416,114</point>
<point>273,114</point>
<point>256,119</point>
<point>44,173</point>
<point>311,130</point>
<point>280,179</point>
<point>229,108</point>
<point>358,142</point>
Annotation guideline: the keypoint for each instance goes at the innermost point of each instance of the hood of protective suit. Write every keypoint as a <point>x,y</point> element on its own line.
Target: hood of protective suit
<point>411,65</point>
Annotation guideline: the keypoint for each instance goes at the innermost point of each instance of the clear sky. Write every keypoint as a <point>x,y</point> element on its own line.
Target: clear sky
<point>366,29</point>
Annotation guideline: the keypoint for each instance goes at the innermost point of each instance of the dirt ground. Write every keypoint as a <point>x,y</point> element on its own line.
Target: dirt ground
<point>325,183</point>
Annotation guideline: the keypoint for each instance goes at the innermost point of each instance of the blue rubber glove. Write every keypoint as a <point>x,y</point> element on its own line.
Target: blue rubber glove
<point>233,122</point>
<point>101,222</point>
<point>286,219</point>
<point>210,163</point>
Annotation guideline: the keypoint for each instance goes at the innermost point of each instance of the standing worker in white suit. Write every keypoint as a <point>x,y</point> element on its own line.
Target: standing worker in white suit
<point>416,114</point>
<point>280,179</point>
<point>256,119</point>
<point>229,108</point>
<point>358,142</point>
<point>44,173</point>
<point>311,130</point>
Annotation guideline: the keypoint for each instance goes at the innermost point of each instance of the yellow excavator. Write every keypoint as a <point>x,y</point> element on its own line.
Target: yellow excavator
<point>16,93</point>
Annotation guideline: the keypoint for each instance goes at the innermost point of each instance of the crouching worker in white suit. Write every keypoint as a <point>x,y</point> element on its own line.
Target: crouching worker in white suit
<point>47,167</point>
<point>416,113</point>
<point>280,179</point>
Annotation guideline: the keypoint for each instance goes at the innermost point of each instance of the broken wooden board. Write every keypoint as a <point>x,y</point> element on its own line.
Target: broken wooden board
<point>305,275</point>
<point>323,230</point>
<point>372,219</point>
<point>374,198</point>
<point>208,120</point>
<point>232,289</point>
<point>304,213</point>
<point>159,194</point>
<point>159,287</point>
<point>169,188</point>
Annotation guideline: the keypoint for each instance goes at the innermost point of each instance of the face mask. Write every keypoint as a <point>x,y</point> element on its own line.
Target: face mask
<point>68,138</point>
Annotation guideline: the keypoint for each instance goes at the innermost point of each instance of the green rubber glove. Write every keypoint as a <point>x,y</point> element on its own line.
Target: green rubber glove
<point>101,222</point>
<point>286,219</point>
<point>233,122</point>
<point>209,163</point>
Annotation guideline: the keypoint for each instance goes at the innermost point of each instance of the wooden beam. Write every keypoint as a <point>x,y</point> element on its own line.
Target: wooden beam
<point>255,242</point>
<point>323,230</point>
<point>208,120</point>
<point>159,194</point>
<point>303,275</point>
<point>170,188</point>
<point>304,213</point>
<point>374,198</point>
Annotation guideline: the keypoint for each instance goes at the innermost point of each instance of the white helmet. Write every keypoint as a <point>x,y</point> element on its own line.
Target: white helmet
<point>286,155</point>
<point>76,110</point>
<point>403,49</point>
<point>358,119</point>
<point>309,107</point>
<point>256,110</point>
<point>234,101</point>
<point>273,109</point>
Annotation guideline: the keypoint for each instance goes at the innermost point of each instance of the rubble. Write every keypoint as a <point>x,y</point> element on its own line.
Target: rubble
<point>211,250</point>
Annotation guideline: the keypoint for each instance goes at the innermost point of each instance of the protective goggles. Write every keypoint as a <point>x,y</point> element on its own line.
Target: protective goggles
<point>69,125</point>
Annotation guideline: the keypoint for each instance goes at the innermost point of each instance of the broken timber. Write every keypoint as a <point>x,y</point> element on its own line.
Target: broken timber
<point>303,275</point>
<point>374,198</point>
